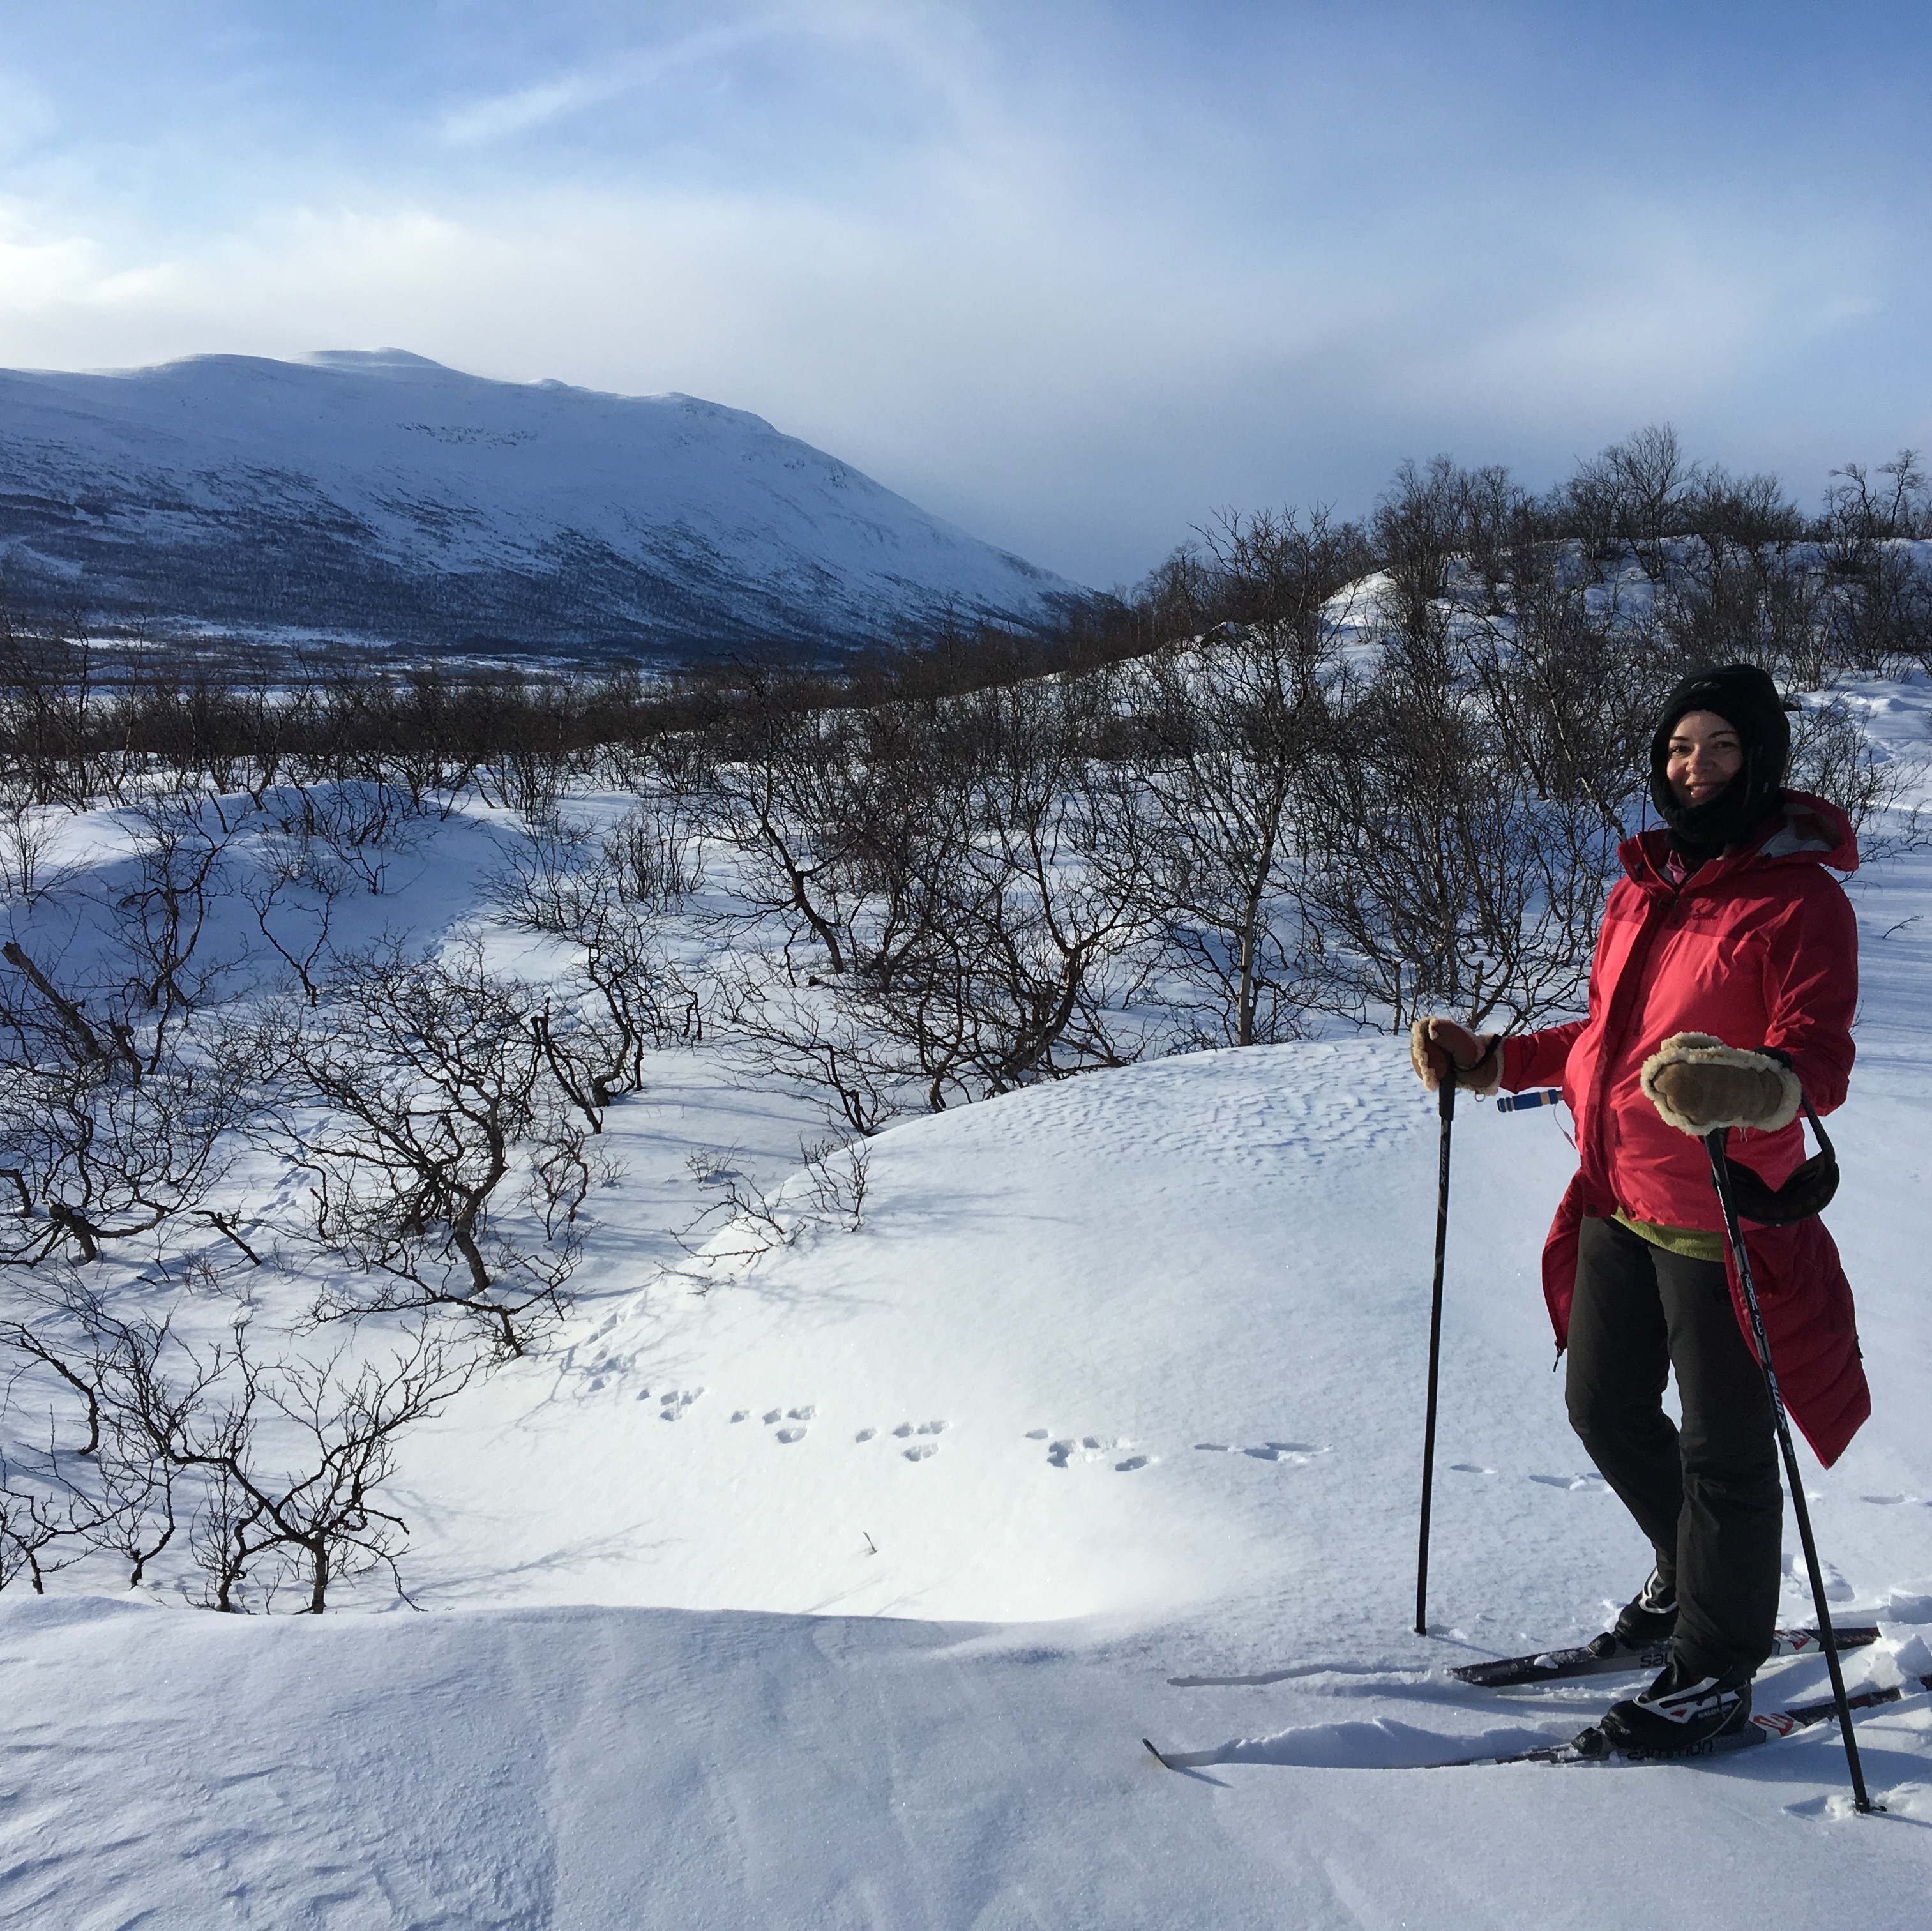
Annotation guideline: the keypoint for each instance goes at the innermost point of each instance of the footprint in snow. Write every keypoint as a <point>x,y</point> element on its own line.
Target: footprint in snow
<point>809,1413</point>
<point>865,1434</point>
<point>1038,1434</point>
<point>1132,1462</point>
<point>741,1414</point>
<point>773,1415</point>
<point>791,1434</point>
<point>920,1451</point>
<point>1589,1480</point>
<point>675,1402</point>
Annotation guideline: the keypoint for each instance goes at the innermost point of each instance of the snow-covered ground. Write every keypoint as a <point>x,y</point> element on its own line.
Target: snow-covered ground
<point>837,1584</point>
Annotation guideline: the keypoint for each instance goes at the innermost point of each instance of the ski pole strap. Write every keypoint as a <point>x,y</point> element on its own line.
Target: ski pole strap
<point>1537,1096</point>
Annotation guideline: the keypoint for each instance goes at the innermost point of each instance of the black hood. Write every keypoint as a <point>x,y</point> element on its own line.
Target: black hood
<point>1745,698</point>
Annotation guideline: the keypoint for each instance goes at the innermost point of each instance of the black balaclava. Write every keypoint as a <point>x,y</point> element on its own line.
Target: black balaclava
<point>1745,698</point>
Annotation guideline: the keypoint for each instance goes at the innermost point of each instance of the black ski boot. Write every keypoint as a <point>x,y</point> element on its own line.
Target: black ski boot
<point>1644,1625</point>
<point>1686,1712</point>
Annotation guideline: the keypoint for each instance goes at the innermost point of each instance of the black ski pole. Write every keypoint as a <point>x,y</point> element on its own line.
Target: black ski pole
<point>1445,1109</point>
<point>1720,1176</point>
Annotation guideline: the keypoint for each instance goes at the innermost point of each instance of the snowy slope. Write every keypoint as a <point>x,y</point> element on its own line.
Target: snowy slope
<point>1227,1250</point>
<point>381,493</point>
<point>695,1652</point>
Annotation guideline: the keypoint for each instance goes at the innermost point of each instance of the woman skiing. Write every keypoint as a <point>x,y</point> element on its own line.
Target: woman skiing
<point>1721,994</point>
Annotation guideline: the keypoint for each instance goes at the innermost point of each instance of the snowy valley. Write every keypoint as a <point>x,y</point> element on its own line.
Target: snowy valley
<point>864,1500</point>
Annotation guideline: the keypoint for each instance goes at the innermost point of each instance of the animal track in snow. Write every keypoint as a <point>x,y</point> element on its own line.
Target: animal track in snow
<point>1470,1468</point>
<point>791,1434</point>
<point>675,1402</point>
<point>809,1413</point>
<point>1088,1448</point>
<point>920,1451</point>
<point>1296,1454</point>
<point>865,1434</point>
<point>1038,1434</point>
<point>773,1415</point>
<point>1132,1462</point>
<point>741,1414</point>
<point>1589,1481</point>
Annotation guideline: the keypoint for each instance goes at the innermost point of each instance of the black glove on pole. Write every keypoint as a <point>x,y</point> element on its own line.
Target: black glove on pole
<point>1446,1110</point>
<point>1721,1177</point>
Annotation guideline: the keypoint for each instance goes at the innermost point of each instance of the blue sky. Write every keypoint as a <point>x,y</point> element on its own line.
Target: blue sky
<point>1074,274</point>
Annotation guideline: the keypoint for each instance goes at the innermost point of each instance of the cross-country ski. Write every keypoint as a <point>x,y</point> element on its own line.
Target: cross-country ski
<point>1604,1656</point>
<point>1589,1746</point>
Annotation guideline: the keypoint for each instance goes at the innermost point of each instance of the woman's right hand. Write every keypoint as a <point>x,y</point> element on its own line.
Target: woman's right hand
<point>1437,1047</point>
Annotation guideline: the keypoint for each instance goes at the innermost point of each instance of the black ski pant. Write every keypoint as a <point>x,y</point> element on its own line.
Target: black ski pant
<point>1708,1494</point>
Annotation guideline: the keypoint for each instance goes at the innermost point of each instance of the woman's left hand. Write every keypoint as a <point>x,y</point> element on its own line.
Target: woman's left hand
<point>1697,1083</point>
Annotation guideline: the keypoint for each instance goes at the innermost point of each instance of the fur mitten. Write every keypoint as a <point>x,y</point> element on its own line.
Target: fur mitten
<point>1697,1083</point>
<point>1438,1046</point>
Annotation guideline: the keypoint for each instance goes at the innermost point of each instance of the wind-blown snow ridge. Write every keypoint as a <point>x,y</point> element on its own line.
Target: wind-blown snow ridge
<point>380,493</point>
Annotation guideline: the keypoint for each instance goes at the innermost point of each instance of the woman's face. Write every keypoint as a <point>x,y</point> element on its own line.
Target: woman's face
<point>1704,753</point>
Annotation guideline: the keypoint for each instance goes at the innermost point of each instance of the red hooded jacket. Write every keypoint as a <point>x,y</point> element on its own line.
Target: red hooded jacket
<point>1760,949</point>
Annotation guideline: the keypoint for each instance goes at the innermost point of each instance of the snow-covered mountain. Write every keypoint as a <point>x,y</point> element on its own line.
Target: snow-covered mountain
<point>382,495</point>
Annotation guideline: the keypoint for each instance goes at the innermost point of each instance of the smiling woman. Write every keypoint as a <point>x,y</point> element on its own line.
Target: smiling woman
<point>1704,753</point>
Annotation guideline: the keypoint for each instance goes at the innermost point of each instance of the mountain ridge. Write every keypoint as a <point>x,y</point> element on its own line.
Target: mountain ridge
<point>386,496</point>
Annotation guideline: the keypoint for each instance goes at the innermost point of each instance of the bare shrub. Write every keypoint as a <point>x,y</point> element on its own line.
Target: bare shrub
<point>1833,757</point>
<point>607,897</point>
<point>274,1465</point>
<point>1226,728</point>
<point>28,830</point>
<point>164,909</point>
<point>112,1120</point>
<point>345,833</point>
<point>1465,807</point>
<point>745,1221</point>
<point>447,1170</point>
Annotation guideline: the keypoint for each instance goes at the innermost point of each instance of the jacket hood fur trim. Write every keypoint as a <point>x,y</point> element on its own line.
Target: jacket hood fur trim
<point>1703,1049</point>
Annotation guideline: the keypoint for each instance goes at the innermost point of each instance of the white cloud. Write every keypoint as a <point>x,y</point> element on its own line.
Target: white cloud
<point>1012,289</point>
